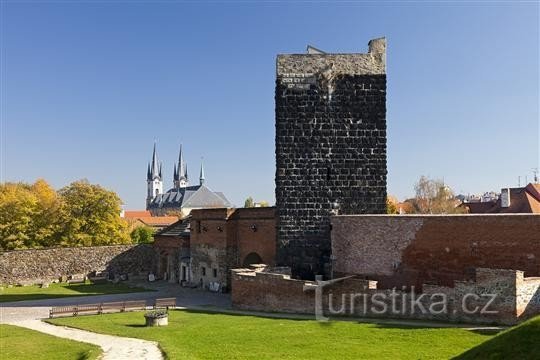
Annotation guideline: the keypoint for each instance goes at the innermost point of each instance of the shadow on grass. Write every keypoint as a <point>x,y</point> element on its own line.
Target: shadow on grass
<point>520,342</point>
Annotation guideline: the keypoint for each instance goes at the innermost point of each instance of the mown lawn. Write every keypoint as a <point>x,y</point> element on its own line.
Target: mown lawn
<point>199,335</point>
<point>520,342</point>
<point>18,343</point>
<point>20,293</point>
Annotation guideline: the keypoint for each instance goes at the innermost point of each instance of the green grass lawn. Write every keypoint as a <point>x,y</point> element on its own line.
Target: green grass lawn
<point>520,342</point>
<point>199,335</point>
<point>18,343</point>
<point>20,293</point>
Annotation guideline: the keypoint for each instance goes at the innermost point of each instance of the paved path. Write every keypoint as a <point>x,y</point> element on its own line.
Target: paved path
<point>29,314</point>
<point>114,347</point>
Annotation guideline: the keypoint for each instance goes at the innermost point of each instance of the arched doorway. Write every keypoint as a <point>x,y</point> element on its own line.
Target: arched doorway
<point>252,258</point>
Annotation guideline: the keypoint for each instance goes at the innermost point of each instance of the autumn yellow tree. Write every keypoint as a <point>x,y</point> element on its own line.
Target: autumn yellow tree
<point>392,205</point>
<point>92,216</point>
<point>18,207</point>
<point>81,214</point>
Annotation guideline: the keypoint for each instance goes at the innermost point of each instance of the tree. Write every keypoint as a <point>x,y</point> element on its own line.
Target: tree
<point>93,216</point>
<point>142,235</point>
<point>434,197</point>
<point>49,217</point>
<point>30,215</point>
<point>392,205</point>
<point>264,203</point>
<point>18,206</point>
<point>249,202</point>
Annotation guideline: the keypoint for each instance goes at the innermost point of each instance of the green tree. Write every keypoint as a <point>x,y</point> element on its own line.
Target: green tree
<point>249,202</point>
<point>142,235</point>
<point>92,216</point>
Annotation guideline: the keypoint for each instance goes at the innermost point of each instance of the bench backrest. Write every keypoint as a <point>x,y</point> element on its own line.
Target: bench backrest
<point>166,302</point>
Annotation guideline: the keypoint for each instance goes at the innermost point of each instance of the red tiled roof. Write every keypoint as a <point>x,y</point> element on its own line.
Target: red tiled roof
<point>158,220</point>
<point>134,214</point>
<point>524,200</point>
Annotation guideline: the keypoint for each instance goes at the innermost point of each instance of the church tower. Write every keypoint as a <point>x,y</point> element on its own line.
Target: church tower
<point>180,172</point>
<point>154,180</point>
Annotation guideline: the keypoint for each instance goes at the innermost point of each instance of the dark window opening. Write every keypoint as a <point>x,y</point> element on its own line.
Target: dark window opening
<point>203,270</point>
<point>328,173</point>
<point>215,273</point>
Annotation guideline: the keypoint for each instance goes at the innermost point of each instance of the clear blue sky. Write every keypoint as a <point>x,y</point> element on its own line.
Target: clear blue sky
<point>87,87</point>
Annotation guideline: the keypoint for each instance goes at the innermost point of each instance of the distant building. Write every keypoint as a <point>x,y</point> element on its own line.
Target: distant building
<point>143,217</point>
<point>523,200</point>
<point>181,198</point>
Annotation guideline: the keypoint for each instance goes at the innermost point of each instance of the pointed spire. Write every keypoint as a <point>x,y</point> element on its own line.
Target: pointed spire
<point>201,176</point>
<point>181,165</point>
<point>180,172</point>
<point>148,175</point>
<point>155,170</point>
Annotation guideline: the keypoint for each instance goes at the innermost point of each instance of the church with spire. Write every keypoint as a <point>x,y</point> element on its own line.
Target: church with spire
<point>182,197</point>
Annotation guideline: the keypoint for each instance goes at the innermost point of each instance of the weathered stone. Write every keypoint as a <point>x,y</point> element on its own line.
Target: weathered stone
<point>330,149</point>
<point>45,265</point>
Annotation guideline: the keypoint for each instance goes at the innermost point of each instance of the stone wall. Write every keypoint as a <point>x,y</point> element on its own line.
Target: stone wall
<point>43,265</point>
<point>330,148</point>
<point>528,296</point>
<point>411,250</point>
<point>495,297</point>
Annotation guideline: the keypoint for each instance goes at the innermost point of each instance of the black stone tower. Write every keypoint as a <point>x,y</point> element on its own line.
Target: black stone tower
<point>330,148</point>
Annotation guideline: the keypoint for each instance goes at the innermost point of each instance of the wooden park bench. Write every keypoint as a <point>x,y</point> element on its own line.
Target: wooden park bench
<point>134,305</point>
<point>165,303</point>
<point>112,307</point>
<point>63,311</point>
<point>88,309</point>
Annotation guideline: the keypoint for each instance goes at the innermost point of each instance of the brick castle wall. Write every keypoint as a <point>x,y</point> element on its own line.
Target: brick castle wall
<point>44,265</point>
<point>257,290</point>
<point>222,239</point>
<point>409,250</point>
<point>330,147</point>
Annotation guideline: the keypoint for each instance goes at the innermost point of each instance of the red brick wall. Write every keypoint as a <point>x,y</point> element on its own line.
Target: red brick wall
<point>243,237</point>
<point>222,238</point>
<point>412,250</point>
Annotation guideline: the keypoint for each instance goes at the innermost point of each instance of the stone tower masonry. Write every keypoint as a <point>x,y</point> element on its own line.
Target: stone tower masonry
<point>330,148</point>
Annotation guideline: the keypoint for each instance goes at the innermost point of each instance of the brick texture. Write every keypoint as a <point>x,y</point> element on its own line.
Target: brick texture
<point>515,297</point>
<point>416,249</point>
<point>223,239</point>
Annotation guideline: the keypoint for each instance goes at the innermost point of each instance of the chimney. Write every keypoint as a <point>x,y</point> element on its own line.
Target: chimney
<point>505,198</point>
